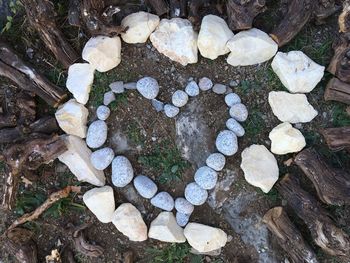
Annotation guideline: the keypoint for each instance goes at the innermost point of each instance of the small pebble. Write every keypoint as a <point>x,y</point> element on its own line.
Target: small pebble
<point>228,90</point>
<point>206,177</point>
<point>219,89</point>
<point>100,159</point>
<point>96,134</point>
<point>234,83</point>
<point>239,112</point>
<point>170,110</point>
<point>163,200</point>
<point>130,85</point>
<point>103,112</point>
<point>145,186</point>
<point>216,161</point>
<point>232,99</point>
<point>195,194</point>
<point>183,206</point>
<point>157,105</point>
<point>192,89</point>
<point>122,171</point>
<point>148,87</point>
<point>182,219</point>
<point>117,87</point>
<point>108,97</point>
<point>235,126</point>
<point>205,84</point>
<point>226,143</point>
<point>179,98</point>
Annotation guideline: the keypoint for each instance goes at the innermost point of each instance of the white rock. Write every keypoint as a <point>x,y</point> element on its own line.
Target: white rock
<point>96,134</point>
<point>291,108</point>
<point>260,167</point>
<point>195,194</point>
<point>183,206</point>
<point>239,112</point>
<point>165,228</point>
<point>170,110</point>
<point>122,172</point>
<point>100,202</point>
<point>128,220</point>
<point>216,161</point>
<point>79,81</point>
<point>192,89</point>
<point>140,25</point>
<point>77,158</point>
<point>205,84</point>
<point>226,143</point>
<point>297,72</point>
<point>250,47</point>
<point>102,52</point>
<point>72,118</point>
<point>213,37</point>
<point>206,177</point>
<point>219,89</point>
<point>286,139</point>
<point>103,112</point>
<point>179,98</point>
<point>148,87</point>
<point>204,238</point>
<point>234,126</point>
<point>108,98</point>
<point>102,158</point>
<point>176,39</point>
<point>232,99</point>
<point>117,87</point>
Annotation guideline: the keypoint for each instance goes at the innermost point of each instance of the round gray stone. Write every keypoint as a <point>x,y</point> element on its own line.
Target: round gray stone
<point>195,194</point>
<point>117,87</point>
<point>226,142</point>
<point>219,89</point>
<point>122,172</point>
<point>170,110</point>
<point>205,84</point>
<point>108,98</point>
<point>157,105</point>
<point>182,219</point>
<point>101,158</point>
<point>97,134</point>
<point>183,206</point>
<point>235,126</point>
<point>192,89</point>
<point>216,161</point>
<point>232,99</point>
<point>148,87</point>
<point>206,177</point>
<point>239,112</point>
<point>145,186</point>
<point>103,112</point>
<point>179,98</point>
<point>163,200</point>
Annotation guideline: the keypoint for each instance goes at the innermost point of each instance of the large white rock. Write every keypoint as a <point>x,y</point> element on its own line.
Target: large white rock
<point>297,72</point>
<point>100,202</point>
<point>291,108</point>
<point>79,81</point>
<point>102,52</point>
<point>165,228</point>
<point>213,37</point>
<point>260,167</point>
<point>250,47</point>
<point>176,39</point>
<point>128,220</point>
<point>140,25</point>
<point>77,158</point>
<point>72,118</point>
<point>286,139</point>
<point>204,238</point>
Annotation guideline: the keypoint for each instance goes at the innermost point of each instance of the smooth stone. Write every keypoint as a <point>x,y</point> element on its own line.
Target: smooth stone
<point>297,72</point>
<point>117,87</point>
<point>78,159</point>
<point>216,161</point>
<point>182,219</point>
<point>206,177</point>
<point>108,98</point>
<point>293,108</point>
<point>170,110</point>
<point>72,118</point>
<point>103,112</point>
<point>179,98</point>
<point>195,194</point>
<point>130,85</point>
<point>219,89</point>
<point>96,134</point>
<point>128,220</point>
<point>102,52</point>
<point>148,87</point>
<point>102,158</point>
<point>214,253</point>
<point>79,81</point>
<point>286,139</point>
<point>100,202</point>
<point>122,171</point>
<point>235,126</point>
<point>163,200</point>
<point>157,105</point>
<point>234,83</point>
<point>232,99</point>
<point>183,206</point>
<point>205,84</point>
<point>145,186</point>
<point>239,112</point>
<point>226,142</point>
<point>260,167</point>
<point>192,89</point>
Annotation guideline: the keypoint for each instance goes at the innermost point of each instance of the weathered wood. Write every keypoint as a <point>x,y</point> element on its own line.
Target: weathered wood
<point>288,236</point>
<point>324,9</point>
<point>178,8</point>
<point>344,18</point>
<point>337,90</point>
<point>74,12</point>
<point>340,62</point>
<point>331,239</point>
<point>159,6</point>
<point>337,138</point>
<point>20,243</point>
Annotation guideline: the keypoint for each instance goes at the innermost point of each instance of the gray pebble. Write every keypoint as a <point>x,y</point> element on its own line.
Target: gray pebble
<point>226,143</point>
<point>234,83</point>
<point>228,90</point>
<point>205,84</point>
<point>130,85</point>
<point>100,159</point>
<point>97,134</point>
<point>145,186</point>
<point>170,110</point>
<point>183,206</point>
<point>195,194</point>
<point>182,219</point>
<point>239,112</point>
<point>108,97</point>
<point>103,112</point>
<point>219,89</point>
<point>117,87</point>
<point>179,98</point>
<point>235,126</point>
<point>216,161</point>
<point>232,99</point>
<point>158,105</point>
<point>163,200</point>
<point>206,177</point>
<point>192,89</point>
<point>122,172</point>
<point>148,87</point>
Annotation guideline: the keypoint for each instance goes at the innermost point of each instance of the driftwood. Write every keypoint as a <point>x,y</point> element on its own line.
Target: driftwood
<point>337,90</point>
<point>324,232</point>
<point>160,7</point>
<point>337,138</point>
<point>20,244</point>
<point>288,236</point>
<point>344,18</point>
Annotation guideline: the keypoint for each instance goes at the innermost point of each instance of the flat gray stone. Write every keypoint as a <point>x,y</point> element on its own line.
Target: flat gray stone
<point>148,87</point>
<point>206,177</point>
<point>195,194</point>
<point>226,142</point>
<point>164,201</point>
<point>219,89</point>
<point>130,85</point>
<point>122,171</point>
<point>145,186</point>
<point>239,112</point>
<point>192,89</point>
<point>117,87</point>
<point>103,112</point>
<point>232,99</point>
<point>108,98</point>
<point>96,134</point>
<point>235,126</point>
<point>205,84</point>
<point>183,206</point>
<point>170,110</point>
<point>179,98</point>
<point>182,219</point>
<point>101,158</point>
<point>157,105</point>
<point>216,161</point>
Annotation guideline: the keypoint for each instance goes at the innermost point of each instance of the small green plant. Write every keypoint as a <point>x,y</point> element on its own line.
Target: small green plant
<point>254,124</point>
<point>14,6</point>
<point>340,117</point>
<point>174,253</point>
<point>247,86</point>
<point>62,206</point>
<point>134,133</point>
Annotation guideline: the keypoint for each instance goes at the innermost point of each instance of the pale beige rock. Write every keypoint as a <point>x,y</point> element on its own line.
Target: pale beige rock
<point>128,220</point>
<point>213,37</point>
<point>102,52</point>
<point>291,108</point>
<point>204,238</point>
<point>176,39</point>
<point>250,47</point>
<point>260,167</point>
<point>286,139</point>
<point>165,228</point>
<point>140,25</point>
<point>100,202</point>
<point>72,118</point>
<point>297,72</point>
<point>77,158</point>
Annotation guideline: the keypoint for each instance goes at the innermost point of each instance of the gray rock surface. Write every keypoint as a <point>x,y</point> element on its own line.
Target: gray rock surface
<point>96,134</point>
<point>122,171</point>
<point>205,84</point>
<point>145,186</point>
<point>226,143</point>
<point>216,161</point>
<point>101,158</point>
<point>219,89</point>
<point>192,89</point>
<point>117,87</point>
<point>103,112</point>
<point>157,105</point>
<point>232,99</point>
<point>108,98</point>
<point>183,206</point>
<point>195,194</point>
<point>163,200</point>
<point>179,98</point>
<point>206,177</point>
<point>130,85</point>
<point>170,110</point>
<point>182,219</point>
<point>148,87</point>
<point>235,126</point>
<point>239,112</point>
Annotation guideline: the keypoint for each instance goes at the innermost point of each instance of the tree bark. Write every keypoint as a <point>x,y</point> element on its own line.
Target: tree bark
<point>20,244</point>
<point>337,90</point>
<point>337,138</point>
<point>159,6</point>
<point>344,18</point>
<point>178,8</point>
